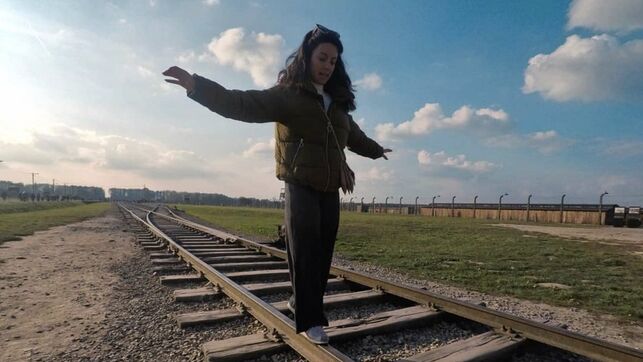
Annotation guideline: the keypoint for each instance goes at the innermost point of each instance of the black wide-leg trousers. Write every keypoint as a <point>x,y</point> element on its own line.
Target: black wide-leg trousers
<point>312,219</point>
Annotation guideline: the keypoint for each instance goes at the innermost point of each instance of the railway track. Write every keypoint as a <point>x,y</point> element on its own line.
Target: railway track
<point>249,272</point>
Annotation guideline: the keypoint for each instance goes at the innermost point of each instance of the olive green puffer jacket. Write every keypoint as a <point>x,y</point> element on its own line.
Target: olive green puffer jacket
<point>306,151</point>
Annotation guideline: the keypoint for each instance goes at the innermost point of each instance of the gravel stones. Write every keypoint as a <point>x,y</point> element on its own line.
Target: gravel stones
<point>140,323</point>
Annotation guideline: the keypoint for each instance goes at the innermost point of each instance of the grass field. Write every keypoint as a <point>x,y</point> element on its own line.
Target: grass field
<point>474,255</point>
<point>20,206</point>
<point>22,219</point>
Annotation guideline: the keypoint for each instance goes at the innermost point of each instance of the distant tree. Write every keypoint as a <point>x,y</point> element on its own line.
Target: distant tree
<point>4,195</point>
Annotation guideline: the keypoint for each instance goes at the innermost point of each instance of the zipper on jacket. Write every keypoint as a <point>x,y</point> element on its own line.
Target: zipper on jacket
<point>327,160</point>
<point>328,124</point>
<point>299,147</point>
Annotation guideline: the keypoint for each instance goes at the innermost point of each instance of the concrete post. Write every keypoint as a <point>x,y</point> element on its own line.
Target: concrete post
<point>600,208</point>
<point>500,204</point>
<point>562,205</point>
<point>475,203</point>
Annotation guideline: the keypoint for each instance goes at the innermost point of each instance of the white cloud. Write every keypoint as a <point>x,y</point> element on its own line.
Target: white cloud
<point>260,148</point>
<point>48,36</point>
<point>258,54</point>
<point>545,136</point>
<point>211,2</point>
<point>370,81</point>
<point>589,69</point>
<point>374,174</point>
<point>459,162</point>
<point>186,57</point>
<point>59,143</point>
<point>622,148</point>
<point>430,118</point>
<point>601,15</point>
<point>546,142</point>
<point>145,72</point>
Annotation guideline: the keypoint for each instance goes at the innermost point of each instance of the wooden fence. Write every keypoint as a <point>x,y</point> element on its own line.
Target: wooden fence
<point>579,214</point>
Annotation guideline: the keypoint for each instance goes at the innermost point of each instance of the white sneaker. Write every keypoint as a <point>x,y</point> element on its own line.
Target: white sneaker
<point>316,335</point>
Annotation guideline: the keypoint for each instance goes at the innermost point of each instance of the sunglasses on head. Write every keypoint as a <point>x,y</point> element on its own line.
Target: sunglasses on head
<point>322,30</point>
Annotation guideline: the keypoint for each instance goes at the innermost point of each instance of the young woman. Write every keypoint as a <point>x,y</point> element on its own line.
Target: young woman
<point>310,105</point>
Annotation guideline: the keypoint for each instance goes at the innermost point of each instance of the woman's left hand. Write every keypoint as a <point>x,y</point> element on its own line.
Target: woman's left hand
<point>183,78</point>
<point>386,150</point>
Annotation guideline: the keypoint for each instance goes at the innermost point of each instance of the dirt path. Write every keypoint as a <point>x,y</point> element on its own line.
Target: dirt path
<point>54,286</point>
<point>605,235</point>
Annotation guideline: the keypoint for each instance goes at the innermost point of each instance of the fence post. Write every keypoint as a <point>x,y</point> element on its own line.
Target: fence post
<point>528,206</point>
<point>562,204</point>
<point>600,208</point>
<point>475,202</point>
<point>453,206</point>
<point>500,204</point>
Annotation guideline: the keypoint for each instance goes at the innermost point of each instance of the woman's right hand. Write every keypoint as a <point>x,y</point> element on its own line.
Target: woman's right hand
<point>183,78</point>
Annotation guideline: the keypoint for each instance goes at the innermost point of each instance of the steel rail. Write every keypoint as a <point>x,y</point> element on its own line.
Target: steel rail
<point>557,337</point>
<point>283,329</point>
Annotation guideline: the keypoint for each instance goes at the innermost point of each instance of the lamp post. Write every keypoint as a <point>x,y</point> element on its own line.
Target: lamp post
<point>361,205</point>
<point>600,208</point>
<point>528,206</point>
<point>350,204</point>
<point>401,204</point>
<point>433,205</point>
<point>416,205</point>
<point>453,206</point>
<point>562,204</point>
<point>475,203</point>
<point>500,204</point>
<point>373,204</point>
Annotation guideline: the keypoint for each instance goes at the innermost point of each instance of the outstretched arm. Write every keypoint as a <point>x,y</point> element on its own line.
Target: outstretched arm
<point>249,106</point>
<point>361,144</point>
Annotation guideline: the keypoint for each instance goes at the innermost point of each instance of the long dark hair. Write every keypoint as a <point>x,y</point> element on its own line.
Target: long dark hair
<point>297,70</point>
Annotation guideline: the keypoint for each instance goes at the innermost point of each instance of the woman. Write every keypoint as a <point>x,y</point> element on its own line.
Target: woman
<point>310,105</point>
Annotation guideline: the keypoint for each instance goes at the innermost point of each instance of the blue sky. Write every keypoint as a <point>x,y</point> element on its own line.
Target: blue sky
<point>475,98</point>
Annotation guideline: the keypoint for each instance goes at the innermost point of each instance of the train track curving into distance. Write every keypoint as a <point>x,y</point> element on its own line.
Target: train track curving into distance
<point>246,271</point>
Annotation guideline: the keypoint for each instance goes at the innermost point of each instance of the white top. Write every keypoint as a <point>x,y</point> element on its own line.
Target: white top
<point>327,99</point>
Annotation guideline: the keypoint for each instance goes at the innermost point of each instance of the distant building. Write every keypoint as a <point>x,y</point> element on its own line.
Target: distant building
<point>49,193</point>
